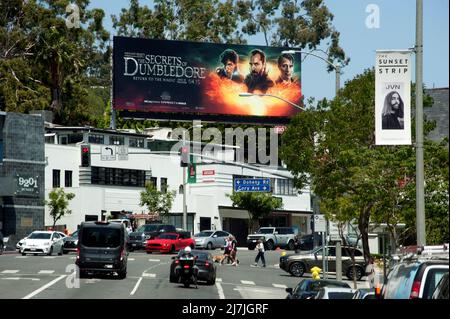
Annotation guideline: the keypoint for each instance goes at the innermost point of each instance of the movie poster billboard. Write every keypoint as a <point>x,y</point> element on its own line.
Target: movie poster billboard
<point>393,98</point>
<point>179,77</point>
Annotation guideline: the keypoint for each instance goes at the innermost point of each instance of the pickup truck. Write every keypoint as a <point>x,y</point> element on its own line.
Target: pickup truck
<point>273,237</point>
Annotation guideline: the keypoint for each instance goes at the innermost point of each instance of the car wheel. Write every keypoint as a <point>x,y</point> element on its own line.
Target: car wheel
<point>172,250</point>
<point>209,246</point>
<point>251,247</point>
<point>51,251</point>
<point>1,248</point>
<point>297,269</point>
<point>358,273</point>
<point>83,274</point>
<point>291,245</point>
<point>270,245</point>
<point>122,274</point>
<point>212,281</point>
<point>192,246</point>
<point>148,252</point>
<point>65,252</point>
<point>173,278</point>
<point>23,254</point>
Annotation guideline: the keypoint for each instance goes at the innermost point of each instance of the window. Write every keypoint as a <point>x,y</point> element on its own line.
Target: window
<point>117,176</point>
<point>68,179</point>
<point>136,142</point>
<point>163,185</point>
<point>75,138</point>
<point>116,140</point>
<point>96,139</point>
<point>56,178</point>
<point>285,187</point>
<point>153,181</point>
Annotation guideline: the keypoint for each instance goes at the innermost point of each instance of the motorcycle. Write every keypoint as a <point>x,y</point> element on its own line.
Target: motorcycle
<point>187,272</point>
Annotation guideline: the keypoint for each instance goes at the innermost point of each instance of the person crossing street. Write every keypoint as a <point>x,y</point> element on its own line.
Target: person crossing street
<point>260,249</point>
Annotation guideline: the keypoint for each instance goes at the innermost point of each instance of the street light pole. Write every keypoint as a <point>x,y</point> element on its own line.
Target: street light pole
<point>420,202</point>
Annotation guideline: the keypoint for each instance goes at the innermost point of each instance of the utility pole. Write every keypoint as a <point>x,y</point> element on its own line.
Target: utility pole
<point>420,198</point>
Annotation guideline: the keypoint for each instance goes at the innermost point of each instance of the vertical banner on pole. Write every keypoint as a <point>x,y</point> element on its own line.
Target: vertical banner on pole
<point>393,98</point>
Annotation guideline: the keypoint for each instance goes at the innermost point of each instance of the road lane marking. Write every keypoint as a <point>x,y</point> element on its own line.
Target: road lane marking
<point>279,286</point>
<point>136,286</point>
<point>37,291</point>
<point>8,271</point>
<point>257,290</point>
<point>19,278</point>
<point>73,257</point>
<point>219,279</point>
<point>154,260</point>
<point>247,282</point>
<point>148,275</point>
<point>220,290</point>
<point>46,272</point>
<point>49,257</point>
<point>22,257</point>
<point>131,259</point>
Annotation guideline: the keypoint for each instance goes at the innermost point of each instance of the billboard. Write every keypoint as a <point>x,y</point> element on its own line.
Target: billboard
<point>194,79</point>
<point>393,98</point>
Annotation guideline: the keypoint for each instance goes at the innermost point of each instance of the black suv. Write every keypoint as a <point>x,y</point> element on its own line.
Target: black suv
<point>138,238</point>
<point>102,248</point>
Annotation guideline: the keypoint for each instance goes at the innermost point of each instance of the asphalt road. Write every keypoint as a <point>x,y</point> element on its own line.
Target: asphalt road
<point>53,277</point>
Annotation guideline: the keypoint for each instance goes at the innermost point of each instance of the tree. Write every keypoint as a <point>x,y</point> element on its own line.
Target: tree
<point>58,203</point>
<point>332,147</point>
<point>157,201</point>
<point>258,205</point>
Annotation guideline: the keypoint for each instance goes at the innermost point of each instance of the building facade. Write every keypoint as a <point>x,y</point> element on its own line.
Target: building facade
<point>122,162</point>
<point>22,167</point>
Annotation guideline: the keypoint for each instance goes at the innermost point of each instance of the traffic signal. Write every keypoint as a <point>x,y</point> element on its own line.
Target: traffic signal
<point>85,155</point>
<point>184,156</point>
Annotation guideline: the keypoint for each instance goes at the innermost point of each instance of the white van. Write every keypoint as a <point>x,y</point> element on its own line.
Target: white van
<point>124,221</point>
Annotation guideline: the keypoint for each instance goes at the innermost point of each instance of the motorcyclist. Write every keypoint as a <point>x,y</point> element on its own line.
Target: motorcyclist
<point>187,254</point>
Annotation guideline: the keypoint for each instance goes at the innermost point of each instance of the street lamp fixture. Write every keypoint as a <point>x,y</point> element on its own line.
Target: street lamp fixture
<point>244,94</point>
<point>184,178</point>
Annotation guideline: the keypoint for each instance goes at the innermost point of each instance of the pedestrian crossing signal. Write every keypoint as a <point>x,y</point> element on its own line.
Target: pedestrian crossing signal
<point>184,158</point>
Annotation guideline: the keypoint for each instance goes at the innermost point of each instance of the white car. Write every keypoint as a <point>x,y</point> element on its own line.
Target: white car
<point>210,239</point>
<point>335,293</point>
<point>20,242</point>
<point>43,242</point>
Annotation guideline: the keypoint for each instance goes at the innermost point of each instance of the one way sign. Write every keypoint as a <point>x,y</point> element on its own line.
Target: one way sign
<point>252,185</point>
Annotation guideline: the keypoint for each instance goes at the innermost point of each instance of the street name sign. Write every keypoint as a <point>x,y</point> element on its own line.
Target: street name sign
<point>252,185</point>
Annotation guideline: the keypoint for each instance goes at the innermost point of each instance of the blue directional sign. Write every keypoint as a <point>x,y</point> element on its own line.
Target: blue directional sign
<point>252,185</point>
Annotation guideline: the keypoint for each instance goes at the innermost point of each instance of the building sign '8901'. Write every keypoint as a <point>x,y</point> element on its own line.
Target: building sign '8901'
<point>27,185</point>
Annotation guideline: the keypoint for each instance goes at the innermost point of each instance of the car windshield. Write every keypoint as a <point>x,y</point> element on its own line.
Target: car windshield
<point>74,234</point>
<point>203,234</point>
<point>101,237</point>
<point>433,278</point>
<point>39,236</point>
<point>265,231</point>
<point>167,236</point>
<point>200,254</point>
<point>147,228</point>
<point>340,295</point>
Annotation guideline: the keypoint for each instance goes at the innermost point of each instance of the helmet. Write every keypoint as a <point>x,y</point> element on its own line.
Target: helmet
<point>187,250</point>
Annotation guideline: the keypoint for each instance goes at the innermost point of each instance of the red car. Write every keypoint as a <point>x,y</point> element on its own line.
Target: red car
<point>169,242</point>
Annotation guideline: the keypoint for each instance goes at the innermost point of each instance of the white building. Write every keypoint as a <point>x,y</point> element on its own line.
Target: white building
<point>111,185</point>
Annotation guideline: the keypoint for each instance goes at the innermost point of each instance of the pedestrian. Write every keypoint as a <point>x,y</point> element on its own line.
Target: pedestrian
<point>260,249</point>
<point>234,251</point>
<point>226,251</point>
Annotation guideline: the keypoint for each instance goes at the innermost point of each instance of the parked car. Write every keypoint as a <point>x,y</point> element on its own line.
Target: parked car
<point>415,277</point>
<point>102,249</point>
<point>306,242</point>
<point>441,291</point>
<point>138,239</point>
<point>364,293</point>
<point>298,264</point>
<point>308,288</point>
<point>42,242</point>
<point>204,262</point>
<point>273,237</point>
<point>169,242</point>
<point>71,243</point>
<point>335,293</point>
<point>210,239</point>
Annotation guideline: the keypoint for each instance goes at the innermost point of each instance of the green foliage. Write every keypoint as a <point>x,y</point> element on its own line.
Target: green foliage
<point>258,205</point>
<point>333,147</point>
<point>157,201</point>
<point>58,203</point>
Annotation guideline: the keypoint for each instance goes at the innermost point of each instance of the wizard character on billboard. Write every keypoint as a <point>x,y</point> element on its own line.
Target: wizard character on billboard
<point>392,114</point>
<point>230,59</point>
<point>258,78</point>
<point>286,68</point>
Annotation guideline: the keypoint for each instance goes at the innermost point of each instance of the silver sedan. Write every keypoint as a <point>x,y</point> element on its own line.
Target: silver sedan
<point>210,239</point>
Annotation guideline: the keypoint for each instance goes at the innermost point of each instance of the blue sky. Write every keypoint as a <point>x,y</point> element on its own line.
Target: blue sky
<point>396,31</point>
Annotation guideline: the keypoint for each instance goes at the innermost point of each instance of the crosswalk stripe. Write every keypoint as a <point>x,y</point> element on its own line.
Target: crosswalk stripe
<point>154,260</point>
<point>131,259</point>
<point>9,271</point>
<point>46,272</point>
<point>23,257</point>
<point>148,275</point>
<point>247,282</point>
<point>279,286</point>
<point>73,257</point>
<point>49,257</point>
<point>219,279</point>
